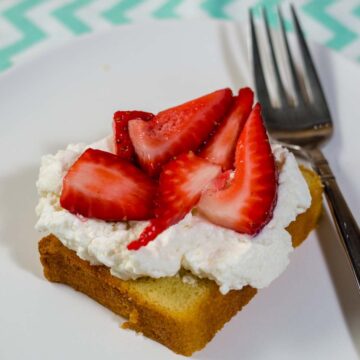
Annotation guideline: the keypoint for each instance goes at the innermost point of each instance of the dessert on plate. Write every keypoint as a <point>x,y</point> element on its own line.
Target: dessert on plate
<point>176,219</point>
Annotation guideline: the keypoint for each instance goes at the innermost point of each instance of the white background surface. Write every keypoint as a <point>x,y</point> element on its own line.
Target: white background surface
<point>311,312</point>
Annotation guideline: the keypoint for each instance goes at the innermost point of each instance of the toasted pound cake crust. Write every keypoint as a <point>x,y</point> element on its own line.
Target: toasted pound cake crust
<point>182,316</point>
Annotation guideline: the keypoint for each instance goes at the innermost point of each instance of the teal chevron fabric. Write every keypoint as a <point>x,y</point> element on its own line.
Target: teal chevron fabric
<point>28,27</point>
<point>66,14</point>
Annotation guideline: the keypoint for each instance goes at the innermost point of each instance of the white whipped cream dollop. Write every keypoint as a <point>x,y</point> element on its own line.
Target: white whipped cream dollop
<point>231,259</point>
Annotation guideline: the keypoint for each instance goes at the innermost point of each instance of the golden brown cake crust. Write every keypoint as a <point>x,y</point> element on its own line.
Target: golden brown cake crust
<point>184,317</point>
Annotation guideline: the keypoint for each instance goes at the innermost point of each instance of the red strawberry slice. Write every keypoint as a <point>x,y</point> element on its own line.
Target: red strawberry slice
<point>177,130</point>
<point>100,185</point>
<point>246,204</point>
<point>123,145</point>
<point>221,147</point>
<point>180,185</point>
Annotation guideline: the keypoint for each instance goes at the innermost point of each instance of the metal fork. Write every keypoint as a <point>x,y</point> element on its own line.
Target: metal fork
<point>303,126</point>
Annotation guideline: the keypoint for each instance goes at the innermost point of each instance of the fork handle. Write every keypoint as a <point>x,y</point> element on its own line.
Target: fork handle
<point>345,223</point>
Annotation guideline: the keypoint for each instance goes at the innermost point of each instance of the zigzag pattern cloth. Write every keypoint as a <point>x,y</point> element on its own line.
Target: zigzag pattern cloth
<point>28,27</point>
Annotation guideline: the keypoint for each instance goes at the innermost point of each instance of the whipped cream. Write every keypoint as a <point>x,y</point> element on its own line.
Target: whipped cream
<point>231,259</point>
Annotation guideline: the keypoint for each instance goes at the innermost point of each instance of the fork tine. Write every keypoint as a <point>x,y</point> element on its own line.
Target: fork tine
<point>314,82</point>
<point>260,83</point>
<point>279,83</point>
<point>294,78</point>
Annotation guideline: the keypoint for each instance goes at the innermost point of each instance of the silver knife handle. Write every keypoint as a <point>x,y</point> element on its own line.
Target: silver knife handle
<point>345,223</point>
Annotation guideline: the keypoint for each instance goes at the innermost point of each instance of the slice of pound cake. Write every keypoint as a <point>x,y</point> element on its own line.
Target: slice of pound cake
<point>178,219</point>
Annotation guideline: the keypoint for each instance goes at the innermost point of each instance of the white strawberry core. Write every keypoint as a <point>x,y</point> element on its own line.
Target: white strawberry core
<point>199,178</point>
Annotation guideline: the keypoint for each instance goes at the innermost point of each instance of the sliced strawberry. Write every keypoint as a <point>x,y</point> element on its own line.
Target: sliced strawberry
<point>221,147</point>
<point>123,145</point>
<point>177,130</point>
<point>100,185</point>
<point>180,185</point>
<point>246,204</point>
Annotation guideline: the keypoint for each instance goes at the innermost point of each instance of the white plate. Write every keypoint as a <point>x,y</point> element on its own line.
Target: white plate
<point>311,312</point>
